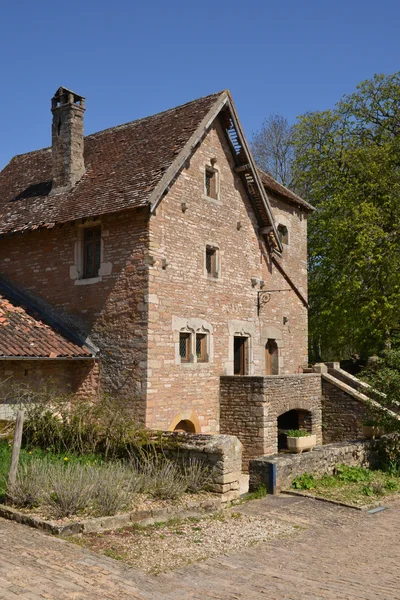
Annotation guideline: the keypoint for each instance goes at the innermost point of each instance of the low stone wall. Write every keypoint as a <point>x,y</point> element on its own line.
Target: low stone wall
<point>250,407</point>
<point>322,459</point>
<point>223,453</point>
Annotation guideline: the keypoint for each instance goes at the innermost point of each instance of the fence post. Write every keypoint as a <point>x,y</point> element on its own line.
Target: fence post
<point>12,474</point>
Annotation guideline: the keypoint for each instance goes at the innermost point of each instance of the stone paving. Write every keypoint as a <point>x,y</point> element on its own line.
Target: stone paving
<point>337,554</point>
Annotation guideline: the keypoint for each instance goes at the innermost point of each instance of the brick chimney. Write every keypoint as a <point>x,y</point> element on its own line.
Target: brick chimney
<point>67,139</point>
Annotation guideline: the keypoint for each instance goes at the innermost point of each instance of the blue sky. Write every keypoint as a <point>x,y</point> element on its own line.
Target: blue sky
<point>131,59</point>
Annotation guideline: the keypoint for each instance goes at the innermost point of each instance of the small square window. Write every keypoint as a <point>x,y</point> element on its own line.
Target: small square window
<point>184,347</point>
<point>201,347</point>
<point>211,183</point>
<point>91,252</point>
<point>211,261</point>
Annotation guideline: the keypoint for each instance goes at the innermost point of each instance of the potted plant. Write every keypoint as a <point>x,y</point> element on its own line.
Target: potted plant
<point>371,429</point>
<point>299,440</point>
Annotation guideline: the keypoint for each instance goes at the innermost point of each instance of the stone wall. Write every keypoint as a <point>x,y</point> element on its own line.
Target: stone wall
<point>183,298</point>
<point>322,459</point>
<point>222,453</point>
<point>111,309</point>
<point>250,407</point>
<point>343,411</point>
<point>78,377</point>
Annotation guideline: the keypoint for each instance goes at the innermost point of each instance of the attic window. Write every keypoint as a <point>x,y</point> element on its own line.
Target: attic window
<point>91,252</point>
<point>211,183</point>
<point>283,234</point>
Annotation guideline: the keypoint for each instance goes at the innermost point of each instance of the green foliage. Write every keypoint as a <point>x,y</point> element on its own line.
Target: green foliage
<point>306,481</point>
<point>348,165</point>
<point>298,433</point>
<point>389,453</point>
<point>352,474</point>
<point>65,424</point>
<point>259,493</point>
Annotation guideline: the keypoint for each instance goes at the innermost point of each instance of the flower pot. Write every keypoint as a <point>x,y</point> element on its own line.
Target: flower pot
<point>300,444</point>
<point>372,431</point>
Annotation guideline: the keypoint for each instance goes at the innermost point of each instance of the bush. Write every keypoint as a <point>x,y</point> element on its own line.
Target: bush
<point>113,488</point>
<point>297,433</point>
<point>389,453</point>
<point>72,489</point>
<point>197,475</point>
<point>31,485</point>
<point>65,424</point>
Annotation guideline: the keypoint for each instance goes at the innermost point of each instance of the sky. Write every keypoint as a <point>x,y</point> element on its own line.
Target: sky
<point>132,59</point>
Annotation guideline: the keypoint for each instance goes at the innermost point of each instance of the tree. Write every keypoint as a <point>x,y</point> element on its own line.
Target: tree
<point>347,162</point>
<point>272,148</point>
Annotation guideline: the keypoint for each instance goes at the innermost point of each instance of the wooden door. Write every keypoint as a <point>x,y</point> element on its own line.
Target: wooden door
<point>271,358</point>
<point>240,356</point>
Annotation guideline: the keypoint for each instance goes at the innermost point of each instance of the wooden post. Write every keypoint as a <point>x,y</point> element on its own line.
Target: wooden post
<point>12,474</point>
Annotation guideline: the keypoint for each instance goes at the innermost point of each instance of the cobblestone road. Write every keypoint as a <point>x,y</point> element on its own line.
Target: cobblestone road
<point>342,554</point>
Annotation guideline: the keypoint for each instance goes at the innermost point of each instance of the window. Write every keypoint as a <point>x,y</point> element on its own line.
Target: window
<point>201,347</point>
<point>184,347</point>
<point>91,252</point>
<point>271,358</point>
<point>211,261</point>
<point>239,355</point>
<point>211,183</point>
<point>283,234</point>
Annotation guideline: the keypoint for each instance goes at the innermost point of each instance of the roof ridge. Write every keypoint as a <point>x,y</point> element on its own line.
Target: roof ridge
<point>123,125</point>
<point>162,112</point>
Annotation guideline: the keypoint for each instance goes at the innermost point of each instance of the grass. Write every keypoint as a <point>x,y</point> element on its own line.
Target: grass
<point>353,485</point>
<point>27,456</point>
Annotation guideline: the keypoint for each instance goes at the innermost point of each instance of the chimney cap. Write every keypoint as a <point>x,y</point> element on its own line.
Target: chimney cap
<point>65,96</point>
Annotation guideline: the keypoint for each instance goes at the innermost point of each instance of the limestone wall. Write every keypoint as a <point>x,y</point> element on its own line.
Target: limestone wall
<point>322,459</point>
<point>250,407</point>
<point>222,453</point>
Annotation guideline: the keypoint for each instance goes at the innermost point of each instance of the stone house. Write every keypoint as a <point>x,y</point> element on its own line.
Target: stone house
<point>148,261</point>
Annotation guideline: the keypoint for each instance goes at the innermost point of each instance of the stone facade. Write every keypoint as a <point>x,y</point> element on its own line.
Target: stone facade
<point>112,310</point>
<point>183,298</point>
<point>250,407</point>
<point>152,283</point>
<point>79,377</point>
<point>321,460</point>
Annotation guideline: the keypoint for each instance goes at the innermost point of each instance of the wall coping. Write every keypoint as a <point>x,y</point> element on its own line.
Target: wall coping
<point>268,377</point>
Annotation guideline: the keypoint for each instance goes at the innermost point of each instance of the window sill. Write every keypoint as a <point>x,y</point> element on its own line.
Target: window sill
<point>216,201</point>
<point>88,281</point>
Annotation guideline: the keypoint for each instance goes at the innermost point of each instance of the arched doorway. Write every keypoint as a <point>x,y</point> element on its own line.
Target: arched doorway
<point>185,426</point>
<point>292,419</point>
<point>271,358</point>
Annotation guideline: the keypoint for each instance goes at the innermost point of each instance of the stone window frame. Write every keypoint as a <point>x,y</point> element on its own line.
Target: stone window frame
<point>193,327</point>
<point>76,270</point>
<point>217,252</point>
<point>245,329</point>
<point>215,169</point>
<point>281,222</point>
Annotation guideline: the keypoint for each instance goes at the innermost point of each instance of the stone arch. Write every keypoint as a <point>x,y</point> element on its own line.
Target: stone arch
<point>189,419</point>
<point>292,419</point>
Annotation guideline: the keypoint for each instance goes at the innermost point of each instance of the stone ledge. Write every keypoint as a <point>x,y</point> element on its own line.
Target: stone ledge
<point>144,517</point>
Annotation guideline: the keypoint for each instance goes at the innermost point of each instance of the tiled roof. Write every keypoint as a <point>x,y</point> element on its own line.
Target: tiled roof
<point>277,188</point>
<point>26,333</point>
<point>123,166</point>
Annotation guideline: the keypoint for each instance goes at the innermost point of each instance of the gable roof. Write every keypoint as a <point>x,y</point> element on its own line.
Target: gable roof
<point>127,166</point>
<point>25,332</point>
<point>277,188</point>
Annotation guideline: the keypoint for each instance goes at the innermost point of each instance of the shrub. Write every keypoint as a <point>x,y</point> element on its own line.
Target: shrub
<point>78,426</point>
<point>389,453</point>
<point>71,489</point>
<point>112,488</point>
<point>31,485</point>
<point>352,474</point>
<point>298,433</point>
<point>197,475</point>
<point>306,481</point>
